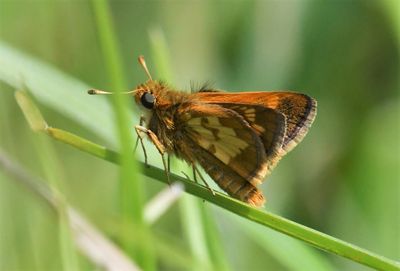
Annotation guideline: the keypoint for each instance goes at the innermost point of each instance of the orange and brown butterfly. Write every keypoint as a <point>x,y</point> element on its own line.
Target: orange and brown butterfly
<point>237,138</point>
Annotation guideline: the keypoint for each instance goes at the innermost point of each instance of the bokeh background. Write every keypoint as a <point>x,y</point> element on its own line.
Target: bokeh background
<point>343,179</point>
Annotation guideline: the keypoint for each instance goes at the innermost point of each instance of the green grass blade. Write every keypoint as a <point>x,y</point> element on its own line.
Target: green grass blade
<point>283,225</point>
<point>131,188</point>
<point>31,112</point>
<point>290,253</point>
<point>84,144</point>
<point>37,123</point>
<point>315,238</point>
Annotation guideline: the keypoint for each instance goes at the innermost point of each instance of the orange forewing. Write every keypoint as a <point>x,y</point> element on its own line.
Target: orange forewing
<point>298,109</point>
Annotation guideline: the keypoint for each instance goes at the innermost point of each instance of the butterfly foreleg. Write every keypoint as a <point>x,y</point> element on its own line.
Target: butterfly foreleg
<point>140,138</point>
<point>141,122</point>
<point>159,146</point>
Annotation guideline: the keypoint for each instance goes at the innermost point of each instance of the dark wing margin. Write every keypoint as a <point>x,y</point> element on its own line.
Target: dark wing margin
<point>300,114</point>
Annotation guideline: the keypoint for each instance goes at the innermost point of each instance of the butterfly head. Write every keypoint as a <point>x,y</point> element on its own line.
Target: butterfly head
<point>147,95</point>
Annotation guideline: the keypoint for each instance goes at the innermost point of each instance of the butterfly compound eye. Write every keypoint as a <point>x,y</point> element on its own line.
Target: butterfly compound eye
<point>147,100</point>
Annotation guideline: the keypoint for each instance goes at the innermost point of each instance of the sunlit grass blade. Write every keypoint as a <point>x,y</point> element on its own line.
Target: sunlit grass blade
<point>290,253</point>
<point>315,238</point>
<point>31,112</point>
<point>83,144</point>
<point>38,124</point>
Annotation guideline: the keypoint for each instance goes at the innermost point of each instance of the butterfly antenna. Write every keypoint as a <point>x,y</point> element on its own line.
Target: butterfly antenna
<point>143,64</point>
<point>98,91</point>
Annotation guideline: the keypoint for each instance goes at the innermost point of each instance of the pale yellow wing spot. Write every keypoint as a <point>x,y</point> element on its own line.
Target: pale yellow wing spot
<point>194,121</point>
<point>224,144</point>
<point>250,110</point>
<point>213,121</point>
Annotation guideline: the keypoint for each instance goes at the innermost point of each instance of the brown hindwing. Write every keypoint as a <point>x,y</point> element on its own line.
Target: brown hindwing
<point>226,178</point>
<point>269,124</point>
<point>228,137</point>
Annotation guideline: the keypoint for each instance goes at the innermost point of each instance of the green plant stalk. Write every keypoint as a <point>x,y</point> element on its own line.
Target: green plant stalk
<point>131,188</point>
<point>290,253</point>
<point>108,42</point>
<point>317,239</point>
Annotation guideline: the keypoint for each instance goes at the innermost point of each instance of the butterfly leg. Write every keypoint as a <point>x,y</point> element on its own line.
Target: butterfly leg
<point>194,173</point>
<point>166,170</point>
<point>195,169</point>
<point>160,147</point>
<point>140,137</point>
<point>169,162</point>
<point>187,177</point>
<point>141,122</point>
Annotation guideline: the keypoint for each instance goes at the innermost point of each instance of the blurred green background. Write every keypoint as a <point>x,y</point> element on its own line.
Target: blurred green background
<point>343,179</point>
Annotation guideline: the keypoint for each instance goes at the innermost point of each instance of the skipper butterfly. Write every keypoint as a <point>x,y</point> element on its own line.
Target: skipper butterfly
<point>237,138</point>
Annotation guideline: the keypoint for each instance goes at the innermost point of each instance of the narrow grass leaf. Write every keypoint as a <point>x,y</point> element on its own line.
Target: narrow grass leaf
<point>31,112</point>
<point>131,188</point>
<point>292,254</point>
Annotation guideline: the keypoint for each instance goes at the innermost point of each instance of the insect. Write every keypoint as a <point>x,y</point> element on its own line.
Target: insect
<point>237,138</point>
